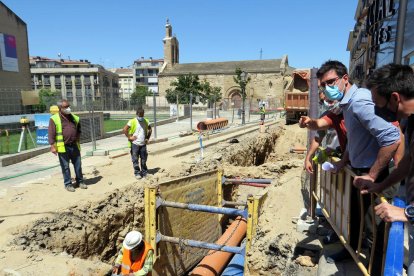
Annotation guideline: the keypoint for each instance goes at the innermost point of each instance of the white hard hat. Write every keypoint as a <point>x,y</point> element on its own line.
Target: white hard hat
<point>132,239</point>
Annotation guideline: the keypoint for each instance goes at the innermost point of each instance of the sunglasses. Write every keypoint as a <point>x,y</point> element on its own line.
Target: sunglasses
<point>329,82</point>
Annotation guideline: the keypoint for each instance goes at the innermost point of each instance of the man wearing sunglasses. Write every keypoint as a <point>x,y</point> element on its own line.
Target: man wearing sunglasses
<point>372,142</point>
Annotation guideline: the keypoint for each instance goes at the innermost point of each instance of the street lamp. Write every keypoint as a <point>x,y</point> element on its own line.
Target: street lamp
<point>243,78</point>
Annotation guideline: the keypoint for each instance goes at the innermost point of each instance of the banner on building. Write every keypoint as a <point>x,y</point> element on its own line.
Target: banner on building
<point>30,97</point>
<point>8,53</point>
<point>42,125</point>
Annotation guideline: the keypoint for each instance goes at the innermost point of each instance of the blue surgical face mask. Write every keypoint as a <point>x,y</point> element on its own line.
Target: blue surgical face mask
<point>333,93</point>
<point>140,119</point>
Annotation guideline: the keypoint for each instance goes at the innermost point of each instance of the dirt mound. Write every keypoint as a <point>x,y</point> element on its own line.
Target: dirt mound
<point>88,231</point>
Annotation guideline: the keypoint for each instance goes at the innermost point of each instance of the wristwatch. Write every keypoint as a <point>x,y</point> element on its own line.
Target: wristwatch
<point>409,213</point>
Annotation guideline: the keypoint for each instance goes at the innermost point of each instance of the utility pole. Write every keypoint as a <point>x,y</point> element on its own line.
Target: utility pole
<point>191,111</point>
<point>178,113</point>
<point>155,114</point>
<point>91,120</point>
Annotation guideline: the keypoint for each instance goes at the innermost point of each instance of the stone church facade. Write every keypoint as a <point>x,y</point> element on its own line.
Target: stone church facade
<point>268,77</point>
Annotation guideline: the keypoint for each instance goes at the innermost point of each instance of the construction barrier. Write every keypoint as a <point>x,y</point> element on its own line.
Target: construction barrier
<point>333,193</point>
<point>180,236</point>
<point>212,124</point>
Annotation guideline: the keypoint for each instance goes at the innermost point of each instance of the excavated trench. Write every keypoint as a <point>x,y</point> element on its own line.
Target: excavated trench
<point>253,152</point>
<point>94,230</point>
<point>88,231</point>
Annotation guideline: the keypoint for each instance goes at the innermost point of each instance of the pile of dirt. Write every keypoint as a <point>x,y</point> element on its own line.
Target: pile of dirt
<point>88,231</point>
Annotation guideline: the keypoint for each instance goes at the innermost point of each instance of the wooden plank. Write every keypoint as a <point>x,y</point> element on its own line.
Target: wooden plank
<point>153,219</point>
<point>147,214</point>
<point>339,200</point>
<point>328,193</point>
<point>250,210</point>
<point>346,199</point>
<point>323,188</point>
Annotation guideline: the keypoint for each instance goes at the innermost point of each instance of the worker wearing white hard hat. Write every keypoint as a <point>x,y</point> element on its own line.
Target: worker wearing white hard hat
<point>136,256</point>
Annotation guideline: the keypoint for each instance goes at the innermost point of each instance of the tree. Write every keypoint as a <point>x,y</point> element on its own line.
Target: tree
<point>182,88</point>
<point>210,94</point>
<point>138,97</point>
<point>47,98</point>
<point>242,82</point>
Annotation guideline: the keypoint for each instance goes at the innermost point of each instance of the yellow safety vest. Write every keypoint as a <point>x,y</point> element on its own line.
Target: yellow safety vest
<point>60,144</point>
<point>133,127</point>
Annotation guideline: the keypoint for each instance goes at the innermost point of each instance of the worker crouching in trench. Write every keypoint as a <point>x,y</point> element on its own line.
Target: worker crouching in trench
<point>135,258</point>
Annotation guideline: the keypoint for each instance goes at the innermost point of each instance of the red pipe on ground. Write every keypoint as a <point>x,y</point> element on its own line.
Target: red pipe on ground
<point>214,263</point>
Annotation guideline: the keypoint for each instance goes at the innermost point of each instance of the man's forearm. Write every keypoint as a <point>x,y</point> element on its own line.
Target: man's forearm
<point>399,173</point>
<point>126,131</point>
<point>383,158</point>
<point>317,124</point>
<point>312,149</point>
<point>399,153</point>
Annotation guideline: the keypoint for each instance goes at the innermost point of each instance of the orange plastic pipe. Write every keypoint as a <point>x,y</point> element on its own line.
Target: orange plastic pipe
<point>212,124</point>
<point>214,264</point>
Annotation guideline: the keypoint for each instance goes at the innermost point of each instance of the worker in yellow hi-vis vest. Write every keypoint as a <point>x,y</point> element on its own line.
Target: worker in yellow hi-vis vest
<point>138,131</point>
<point>262,113</point>
<point>64,135</point>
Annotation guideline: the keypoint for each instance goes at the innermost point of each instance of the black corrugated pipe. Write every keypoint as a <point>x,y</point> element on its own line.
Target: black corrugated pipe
<point>399,41</point>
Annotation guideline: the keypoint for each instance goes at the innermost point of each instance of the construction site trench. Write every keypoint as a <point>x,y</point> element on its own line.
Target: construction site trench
<point>93,230</point>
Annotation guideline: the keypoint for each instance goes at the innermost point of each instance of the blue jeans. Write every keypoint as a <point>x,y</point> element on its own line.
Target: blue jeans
<point>72,154</point>
<point>139,152</point>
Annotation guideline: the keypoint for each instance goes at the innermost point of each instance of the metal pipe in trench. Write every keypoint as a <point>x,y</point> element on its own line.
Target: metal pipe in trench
<point>215,262</point>
<point>250,184</point>
<point>248,180</point>
<point>201,244</point>
<point>204,208</point>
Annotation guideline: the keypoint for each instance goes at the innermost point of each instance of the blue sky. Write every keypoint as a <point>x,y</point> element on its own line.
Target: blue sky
<point>115,33</point>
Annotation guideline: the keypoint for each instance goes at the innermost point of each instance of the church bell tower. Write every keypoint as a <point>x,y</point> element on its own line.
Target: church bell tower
<point>171,46</point>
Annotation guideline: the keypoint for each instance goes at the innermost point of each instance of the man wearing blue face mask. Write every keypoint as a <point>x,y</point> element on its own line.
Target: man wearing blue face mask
<point>372,142</point>
<point>138,131</point>
<point>64,135</point>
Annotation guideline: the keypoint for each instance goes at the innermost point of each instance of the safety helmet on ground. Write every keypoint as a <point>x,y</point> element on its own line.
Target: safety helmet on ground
<point>132,240</point>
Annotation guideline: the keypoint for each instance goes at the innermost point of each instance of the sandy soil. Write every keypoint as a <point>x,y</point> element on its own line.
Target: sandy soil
<point>43,228</point>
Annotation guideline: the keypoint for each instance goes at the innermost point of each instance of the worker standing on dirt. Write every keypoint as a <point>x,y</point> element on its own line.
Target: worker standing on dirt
<point>64,136</point>
<point>136,256</point>
<point>138,131</point>
<point>262,113</point>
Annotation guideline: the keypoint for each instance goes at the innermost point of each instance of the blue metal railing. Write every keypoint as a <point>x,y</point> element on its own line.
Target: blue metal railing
<point>395,250</point>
